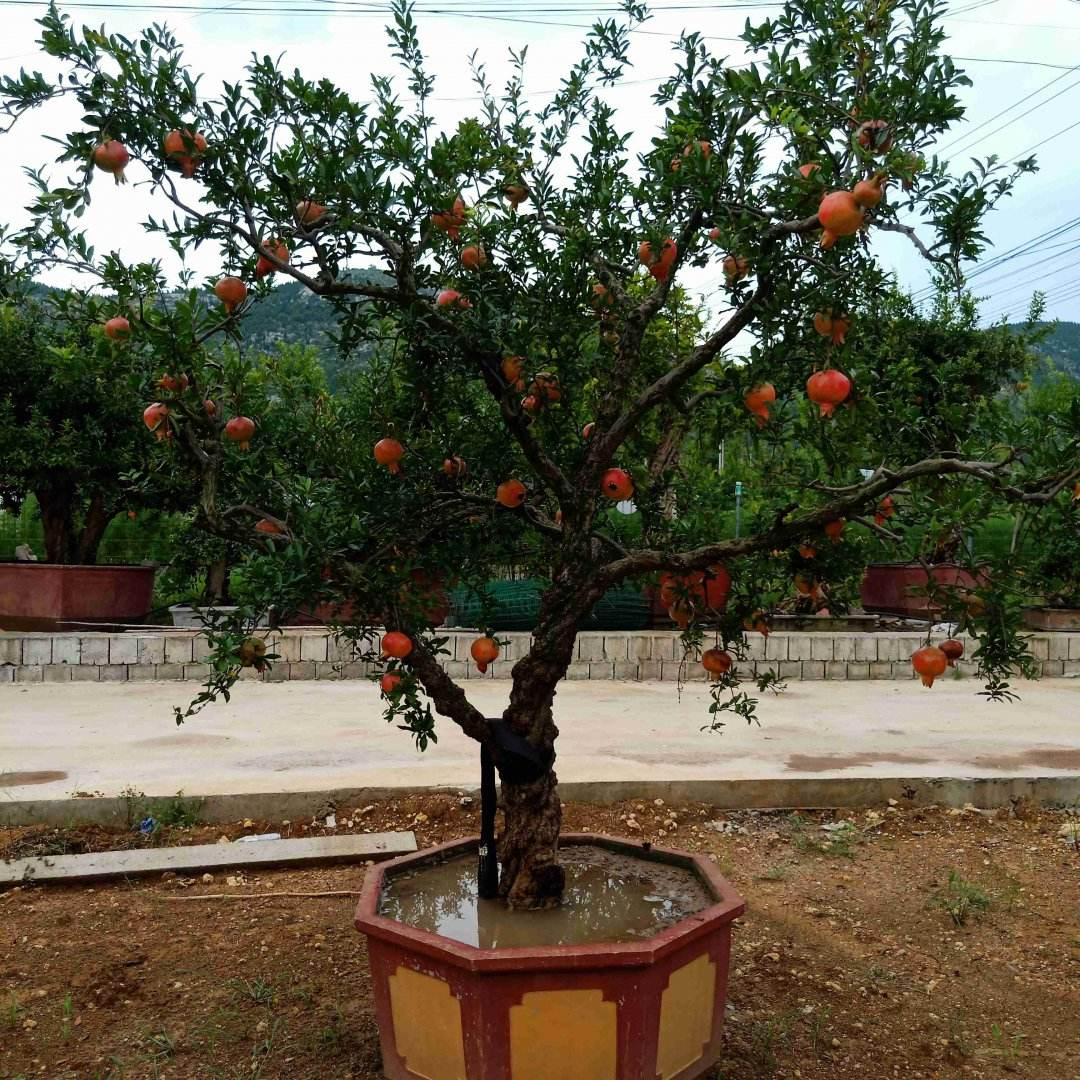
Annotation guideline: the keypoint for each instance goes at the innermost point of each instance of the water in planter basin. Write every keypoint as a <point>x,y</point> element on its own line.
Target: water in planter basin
<point>610,897</point>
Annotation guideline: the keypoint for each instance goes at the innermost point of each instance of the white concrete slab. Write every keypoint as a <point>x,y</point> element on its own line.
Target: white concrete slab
<point>56,740</point>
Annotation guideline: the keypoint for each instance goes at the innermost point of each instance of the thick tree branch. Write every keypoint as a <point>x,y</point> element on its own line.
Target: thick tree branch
<point>449,699</point>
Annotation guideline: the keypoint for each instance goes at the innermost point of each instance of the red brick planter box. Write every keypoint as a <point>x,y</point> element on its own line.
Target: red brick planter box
<point>645,1010</point>
<point>33,592</point>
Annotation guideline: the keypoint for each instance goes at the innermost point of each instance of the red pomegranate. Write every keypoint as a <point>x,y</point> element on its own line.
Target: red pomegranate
<point>809,169</point>
<point>602,297</point>
<point>545,387</point>
<point>450,221</point>
<point>757,621</point>
<point>715,235</point>
<point>834,327</point>
<point>659,264</point>
<point>485,650</point>
<point>117,328</point>
<point>827,389</point>
<point>512,370</point>
<point>511,493</point>
<point>390,682</point>
<point>806,551</point>
<point>454,467</point>
<point>840,215</point>
<point>156,418</point>
<point>868,193</point>
<point>396,644</point>
<point>240,429</point>
<point>758,401</point>
<point>185,149</point>
<point>698,589</point>
<point>173,384</point>
<point>835,529</point>
<point>736,267</point>
<point>953,650</point>
<point>452,298</point>
<point>531,403</point>
<point>271,528</point>
<point>209,407</point>
<point>264,266</point>
<point>929,662</point>
<point>617,485</point>
<point>875,136</point>
<point>515,194</point>
<point>111,157</point>
<point>716,662</point>
<point>231,291</point>
<point>886,509</point>
<point>474,257</point>
<point>389,452</point>
<point>587,430</point>
<point>309,212</point>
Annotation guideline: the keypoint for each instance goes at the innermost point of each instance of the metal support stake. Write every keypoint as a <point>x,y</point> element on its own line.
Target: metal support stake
<point>488,869</point>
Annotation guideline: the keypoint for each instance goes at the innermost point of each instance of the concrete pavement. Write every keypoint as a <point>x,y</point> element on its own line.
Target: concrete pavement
<point>56,740</point>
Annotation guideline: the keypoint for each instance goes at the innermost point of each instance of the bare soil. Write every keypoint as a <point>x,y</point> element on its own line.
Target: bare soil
<point>856,958</point>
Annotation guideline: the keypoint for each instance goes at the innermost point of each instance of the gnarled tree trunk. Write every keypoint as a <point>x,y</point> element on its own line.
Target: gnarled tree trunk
<point>58,525</point>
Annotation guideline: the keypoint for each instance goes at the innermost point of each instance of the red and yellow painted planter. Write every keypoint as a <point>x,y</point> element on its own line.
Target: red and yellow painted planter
<point>643,1010</point>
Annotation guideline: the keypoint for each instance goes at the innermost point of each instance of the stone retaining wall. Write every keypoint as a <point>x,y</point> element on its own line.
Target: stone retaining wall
<point>641,655</point>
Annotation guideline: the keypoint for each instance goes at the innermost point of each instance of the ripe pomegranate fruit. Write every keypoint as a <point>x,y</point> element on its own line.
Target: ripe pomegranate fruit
<point>156,418</point>
<point>240,429</point>
<point>702,146</point>
<point>209,407</point>
<point>511,493</point>
<point>531,403</point>
<point>111,157</point>
<point>929,662</point>
<point>715,235</point>
<point>617,485</point>
<point>452,298</point>
<point>835,529</point>
<point>874,136</point>
<point>389,452</point>
<point>512,369</point>
<point>396,644</point>
<point>587,430</point>
<point>757,621</point>
<point>716,662</point>
<point>185,149</point>
<point>473,257</point>
<point>309,212</point>
<point>834,327</point>
<point>953,650</point>
<point>252,651</point>
<point>450,221</point>
<point>807,552</point>
<point>231,291</point>
<point>454,467</point>
<point>117,328</point>
<point>758,401</point>
<point>809,169</point>
<point>804,585</point>
<point>515,194</point>
<point>271,528</point>
<point>840,215</point>
<point>827,389</point>
<point>485,650</point>
<point>173,384</point>
<point>390,682</point>
<point>545,387</point>
<point>868,193</point>
<point>602,297</point>
<point>659,264</point>
<point>736,267</point>
<point>264,266</point>
<point>886,509</point>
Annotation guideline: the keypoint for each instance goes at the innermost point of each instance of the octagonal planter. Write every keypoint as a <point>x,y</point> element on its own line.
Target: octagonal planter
<point>894,588</point>
<point>650,1009</point>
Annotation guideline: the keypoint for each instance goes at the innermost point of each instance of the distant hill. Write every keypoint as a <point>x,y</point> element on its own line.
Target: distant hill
<point>1062,347</point>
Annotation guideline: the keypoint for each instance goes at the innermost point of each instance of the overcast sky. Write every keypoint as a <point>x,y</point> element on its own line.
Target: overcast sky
<point>1040,40</point>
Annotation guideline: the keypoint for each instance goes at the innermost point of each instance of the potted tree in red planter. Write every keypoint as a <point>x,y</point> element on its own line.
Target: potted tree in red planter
<point>512,404</point>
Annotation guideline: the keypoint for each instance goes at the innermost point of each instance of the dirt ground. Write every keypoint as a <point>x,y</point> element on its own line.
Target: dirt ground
<point>858,956</point>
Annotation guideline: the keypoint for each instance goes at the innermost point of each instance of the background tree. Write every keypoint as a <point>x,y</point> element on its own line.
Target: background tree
<point>522,234</point>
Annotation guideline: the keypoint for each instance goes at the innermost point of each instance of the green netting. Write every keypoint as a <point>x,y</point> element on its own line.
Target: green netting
<point>515,605</point>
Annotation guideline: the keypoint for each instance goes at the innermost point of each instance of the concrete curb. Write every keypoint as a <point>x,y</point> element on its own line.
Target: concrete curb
<point>794,793</point>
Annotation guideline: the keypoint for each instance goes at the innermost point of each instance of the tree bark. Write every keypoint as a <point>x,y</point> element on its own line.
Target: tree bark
<point>530,875</point>
<point>56,522</point>
<point>95,522</point>
<point>217,582</point>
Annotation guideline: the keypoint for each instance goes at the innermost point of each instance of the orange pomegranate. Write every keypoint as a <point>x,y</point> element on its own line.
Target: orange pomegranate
<point>659,263</point>
<point>874,136</point>
<point>515,194</point>
<point>545,387</point>
<point>511,493</point>
<point>389,683</point>
<point>173,384</point>
<point>930,663</point>
<point>868,193</point>
<point>834,327</point>
<point>185,149</point>
<point>807,552</point>
<point>617,485</point>
<point>512,369</point>
<point>231,291</point>
<point>531,403</point>
<point>835,529</point>
<point>716,662</point>
<point>840,215</point>
<point>271,528</point>
<point>736,267</point>
<point>240,429</point>
<point>473,257</point>
<point>953,650</point>
<point>827,389</point>
<point>209,407</point>
<point>264,266</point>
<point>454,467</point>
<point>309,212</point>
<point>702,146</point>
<point>602,297</point>
<point>484,650</point>
<point>452,298</point>
<point>117,328</point>
<point>450,221</point>
<point>389,452</point>
<point>758,400</point>
<point>757,621</point>
<point>111,157</point>
<point>397,645</point>
<point>156,418</point>
<point>886,509</point>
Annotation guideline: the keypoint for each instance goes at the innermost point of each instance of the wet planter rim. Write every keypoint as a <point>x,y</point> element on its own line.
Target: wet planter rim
<point>729,905</point>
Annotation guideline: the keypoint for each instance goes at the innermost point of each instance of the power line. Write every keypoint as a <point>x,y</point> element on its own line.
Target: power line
<point>1041,142</point>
